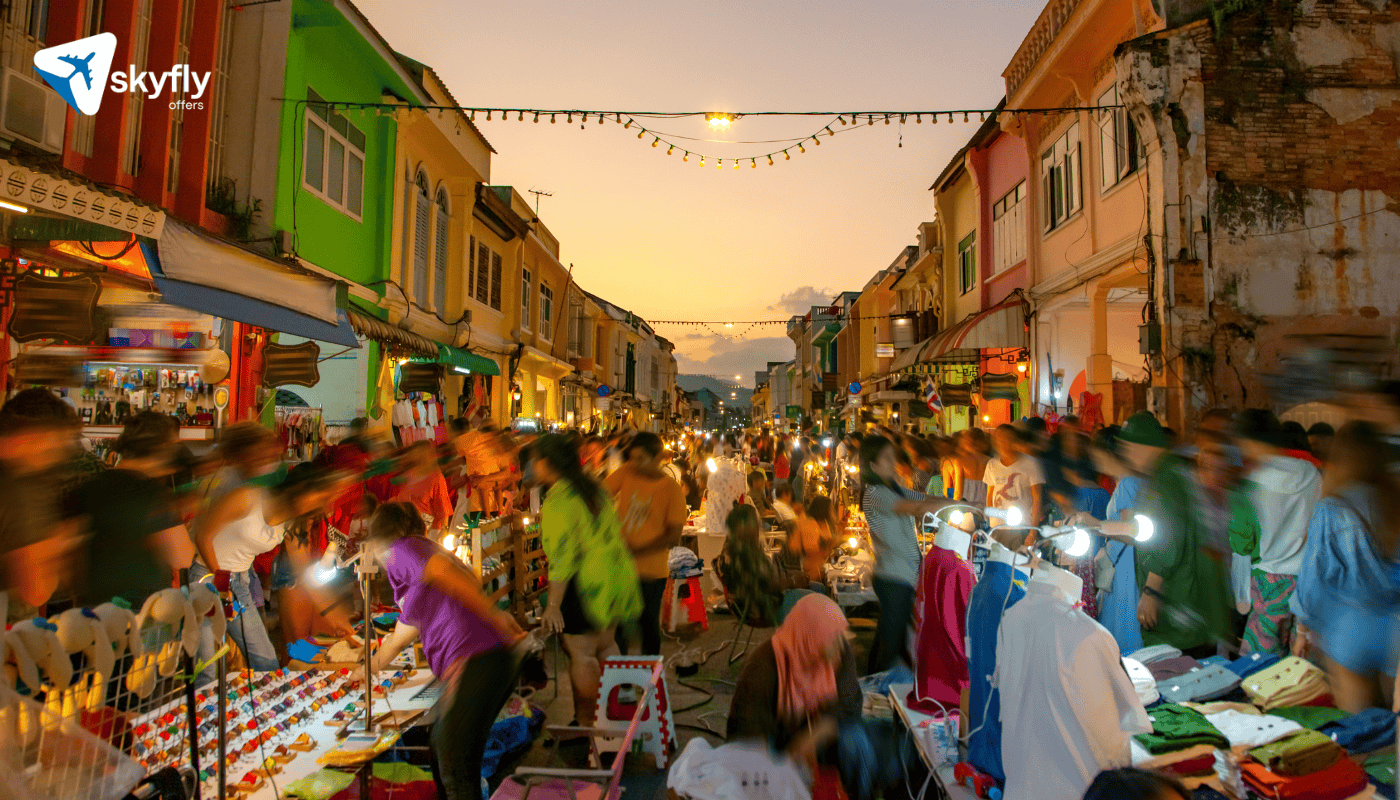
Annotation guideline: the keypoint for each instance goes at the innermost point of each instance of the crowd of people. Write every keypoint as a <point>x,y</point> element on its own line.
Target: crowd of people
<point>1270,538</point>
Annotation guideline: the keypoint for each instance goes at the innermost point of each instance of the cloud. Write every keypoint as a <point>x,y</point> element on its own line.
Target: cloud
<point>801,300</point>
<point>725,357</point>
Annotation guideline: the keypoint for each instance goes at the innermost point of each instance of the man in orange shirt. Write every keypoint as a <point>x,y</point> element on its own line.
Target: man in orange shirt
<point>651,506</point>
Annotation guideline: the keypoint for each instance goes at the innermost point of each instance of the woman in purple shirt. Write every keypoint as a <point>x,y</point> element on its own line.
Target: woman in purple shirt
<point>466,639</point>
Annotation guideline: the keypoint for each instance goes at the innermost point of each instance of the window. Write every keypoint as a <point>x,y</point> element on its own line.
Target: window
<point>218,116</point>
<point>1009,229</point>
<point>1120,152</point>
<point>483,273</point>
<point>177,116</point>
<point>84,126</point>
<point>496,281</point>
<point>422,236</point>
<point>441,228</point>
<point>1059,176</point>
<point>334,165</point>
<point>967,263</point>
<point>131,155</point>
<point>525,298</point>
<point>546,312</point>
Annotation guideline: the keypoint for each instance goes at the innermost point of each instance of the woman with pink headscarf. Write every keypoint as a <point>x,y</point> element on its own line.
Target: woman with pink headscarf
<point>799,688</point>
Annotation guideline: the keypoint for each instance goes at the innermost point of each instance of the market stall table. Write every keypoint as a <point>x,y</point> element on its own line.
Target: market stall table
<point>920,727</point>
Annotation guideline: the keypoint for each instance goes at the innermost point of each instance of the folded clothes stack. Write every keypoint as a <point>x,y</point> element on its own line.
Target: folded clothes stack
<point>1290,682</point>
<point>1302,752</point>
<point>1177,728</point>
<point>684,563</point>
<point>1164,669</point>
<point>1156,652</point>
<point>1365,732</point>
<point>1200,684</point>
<point>1143,682</point>
<point>1251,730</point>
<point>1244,666</point>
<point>1343,779</point>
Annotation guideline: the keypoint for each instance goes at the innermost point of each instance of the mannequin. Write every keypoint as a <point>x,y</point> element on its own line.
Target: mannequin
<point>940,605</point>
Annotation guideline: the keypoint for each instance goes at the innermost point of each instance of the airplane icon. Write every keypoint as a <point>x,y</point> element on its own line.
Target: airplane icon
<point>80,66</point>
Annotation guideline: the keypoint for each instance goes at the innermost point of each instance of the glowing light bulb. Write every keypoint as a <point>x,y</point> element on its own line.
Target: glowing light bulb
<point>956,518</point>
<point>1021,367</point>
<point>686,157</point>
<point>641,133</point>
<point>770,161</point>
<point>450,542</point>
<point>710,462</point>
<point>800,148</point>
<point>537,116</point>
<point>851,542</point>
<point>719,120</point>
<point>753,163</point>
<point>526,522</point>
<point>816,141</point>
<point>986,418</point>
<point>670,150</point>
<point>702,161</point>
<point>1080,546</point>
<point>786,156</point>
<point>628,125</point>
<point>655,142</point>
<point>1145,528</point>
<point>1014,516</point>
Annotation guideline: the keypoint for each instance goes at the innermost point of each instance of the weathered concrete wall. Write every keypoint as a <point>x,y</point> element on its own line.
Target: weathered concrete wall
<point>1279,154</point>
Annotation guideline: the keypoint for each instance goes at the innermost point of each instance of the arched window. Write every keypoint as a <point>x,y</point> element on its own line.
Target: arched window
<point>440,231</point>
<point>422,235</point>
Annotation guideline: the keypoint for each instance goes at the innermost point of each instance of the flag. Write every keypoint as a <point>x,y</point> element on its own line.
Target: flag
<point>931,398</point>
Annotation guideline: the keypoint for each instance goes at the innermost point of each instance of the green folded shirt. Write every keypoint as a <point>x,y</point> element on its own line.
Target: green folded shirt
<point>1310,716</point>
<point>1177,728</point>
<point>1299,753</point>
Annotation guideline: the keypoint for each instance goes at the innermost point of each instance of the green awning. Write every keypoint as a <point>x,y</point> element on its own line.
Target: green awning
<point>463,359</point>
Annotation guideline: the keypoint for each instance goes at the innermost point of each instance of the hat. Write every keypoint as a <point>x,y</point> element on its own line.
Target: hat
<point>1143,428</point>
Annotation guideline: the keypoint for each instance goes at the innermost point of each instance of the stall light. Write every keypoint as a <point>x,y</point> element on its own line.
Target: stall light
<point>15,207</point>
<point>449,541</point>
<point>986,418</point>
<point>826,442</point>
<point>1012,516</point>
<point>956,518</point>
<point>526,522</point>
<point>1145,527</point>
<point>852,542</point>
<point>1021,367</point>
<point>462,370</point>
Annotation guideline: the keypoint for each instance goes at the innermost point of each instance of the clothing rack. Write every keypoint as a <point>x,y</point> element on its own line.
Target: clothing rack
<point>302,431</point>
<point>419,417</point>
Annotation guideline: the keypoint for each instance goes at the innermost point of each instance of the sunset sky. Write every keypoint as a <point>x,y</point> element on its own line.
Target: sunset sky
<point>670,240</point>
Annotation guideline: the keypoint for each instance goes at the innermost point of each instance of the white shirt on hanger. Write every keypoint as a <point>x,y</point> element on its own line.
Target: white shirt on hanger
<point>1068,710</point>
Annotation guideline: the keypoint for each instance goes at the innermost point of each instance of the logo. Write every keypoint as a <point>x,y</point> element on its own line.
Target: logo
<point>78,70</point>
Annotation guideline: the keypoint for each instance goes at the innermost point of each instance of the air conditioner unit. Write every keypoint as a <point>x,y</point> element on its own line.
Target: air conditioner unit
<point>32,112</point>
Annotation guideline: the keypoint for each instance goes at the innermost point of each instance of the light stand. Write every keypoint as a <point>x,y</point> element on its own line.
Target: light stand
<point>366,570</point>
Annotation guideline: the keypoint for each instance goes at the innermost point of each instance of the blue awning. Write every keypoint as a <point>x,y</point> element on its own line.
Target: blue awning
<point>249,310</point>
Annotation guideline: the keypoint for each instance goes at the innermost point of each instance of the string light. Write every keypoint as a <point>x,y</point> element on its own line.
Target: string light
<point>686,157</point>
<point>656,141</point>
<point>870,119</point>
<point>641,133</point>
<point>488,116</point>
<point>619,119</point>
<point>753,163</point>
<point>537,116</point>
<point>473,115</point>
<point>600,119</point>
<point>770,161</point>
<point>887,119</point>
<point>671,149</point>
<point>584,118</point>
<point>569,118</point>
<point>787,156</point>
<point>816,141</point>
<point>702,161</point>
<point>628,125</point>
<point>918,119</point>
<point>964,116</point>
<point>521,118</point>
<point>800,148</point>
<point>551,119</point>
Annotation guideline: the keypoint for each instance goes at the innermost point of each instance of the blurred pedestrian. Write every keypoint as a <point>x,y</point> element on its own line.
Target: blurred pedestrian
<point>1015,478</point>
<point>423,486</point>
<point>651,507</point>
<point>1320,437</point>
<point>593,583</point>
<point>813,538</point>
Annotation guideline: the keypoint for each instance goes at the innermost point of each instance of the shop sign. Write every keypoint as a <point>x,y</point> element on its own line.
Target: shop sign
<point>603,404</point>
<point>293,365</point>
<point>884,350</point>
<point>62,309</point>
<point>794,412</point>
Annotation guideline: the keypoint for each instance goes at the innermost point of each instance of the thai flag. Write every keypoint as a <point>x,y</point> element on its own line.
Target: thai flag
<point>931,398</point>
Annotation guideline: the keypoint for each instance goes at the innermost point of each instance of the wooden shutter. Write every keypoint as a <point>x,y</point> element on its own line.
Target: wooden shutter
<point>440,263</point>
<point>483,264</point>
<point>471,266</point>
<point>496,281</point>
<point>422,235</point>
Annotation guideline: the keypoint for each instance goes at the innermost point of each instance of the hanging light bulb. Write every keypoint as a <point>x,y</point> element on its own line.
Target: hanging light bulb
<point>800,148</point>
<point>686,157</point>
<point>918,119</point>
<point>671,149</point>
<point>787,156</point>
<point>552,120</point>
<point>619,119</point>
<point>950,118</point>
<point>964,116</point>
<point>569,118</point>
<point>537,116</point>
<point>736,163</point>
<point>473,115</point>
<point>841,119</point>
<point>753,163</point>
<point>933,118</point>
<point>641,133</point>
<point>887,119</point>
<point>520,118</point>
<point>488,115</point>
<point>816,141</point>
<point>656,141</point>
<point>702,161</point>
<point>870,119</point>
<point>628,125</point>
<point>981,116</point>
<point>829,131</point>
<point>720,120</point>
<point>584,118</point>
<point>770,160</point>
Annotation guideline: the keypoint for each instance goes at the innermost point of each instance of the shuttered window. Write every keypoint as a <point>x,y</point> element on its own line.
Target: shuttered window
<point>496,281</point>
<point>483,276</point>
<point>471,266</point>
<point>525,298</point>
<point>422,236</point>
<point>440,231</point>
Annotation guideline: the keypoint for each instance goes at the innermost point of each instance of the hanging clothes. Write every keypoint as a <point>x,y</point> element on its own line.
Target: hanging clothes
<point>940,622</point>
<point>1059,671</point>
<point>1000,587</point>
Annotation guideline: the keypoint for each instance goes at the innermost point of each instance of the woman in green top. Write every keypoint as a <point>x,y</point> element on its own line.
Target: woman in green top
<point>592,581</point>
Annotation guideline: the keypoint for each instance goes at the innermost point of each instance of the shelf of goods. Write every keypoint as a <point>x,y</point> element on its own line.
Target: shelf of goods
<point>531,572</point>
<point>490,550</point>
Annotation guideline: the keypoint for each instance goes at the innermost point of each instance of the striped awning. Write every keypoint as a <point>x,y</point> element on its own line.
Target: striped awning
<point>999,327</point>
<point>384,333</point>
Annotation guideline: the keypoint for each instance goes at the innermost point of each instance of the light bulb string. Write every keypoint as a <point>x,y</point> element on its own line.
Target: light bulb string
<point>658,138</point>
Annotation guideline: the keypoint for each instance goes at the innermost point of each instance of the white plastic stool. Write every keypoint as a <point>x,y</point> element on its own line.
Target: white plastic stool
<point>656,733</point>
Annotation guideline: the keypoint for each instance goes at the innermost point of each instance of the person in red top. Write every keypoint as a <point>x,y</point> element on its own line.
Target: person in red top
<point>781,465</point>
<point>425,488</point>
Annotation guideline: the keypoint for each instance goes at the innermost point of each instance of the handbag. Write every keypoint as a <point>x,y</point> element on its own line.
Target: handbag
<point>1104,569</point>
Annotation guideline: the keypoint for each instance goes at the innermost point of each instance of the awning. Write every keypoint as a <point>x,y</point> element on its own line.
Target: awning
<point>383,332</point>
<point>190,255</point>
<point>55,191</point>
<point>462,359</point>
<point>999,327</point>
<point>242,308</point>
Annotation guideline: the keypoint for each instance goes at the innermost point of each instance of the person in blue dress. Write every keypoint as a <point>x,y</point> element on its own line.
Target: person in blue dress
<point>1347,595</point>
<point>1118,606</point>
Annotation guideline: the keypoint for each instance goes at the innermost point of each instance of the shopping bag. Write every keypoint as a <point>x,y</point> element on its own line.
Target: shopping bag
<point>735,771</point>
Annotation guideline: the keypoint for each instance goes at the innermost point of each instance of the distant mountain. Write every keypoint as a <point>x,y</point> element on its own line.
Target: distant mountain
<point>694,383</point>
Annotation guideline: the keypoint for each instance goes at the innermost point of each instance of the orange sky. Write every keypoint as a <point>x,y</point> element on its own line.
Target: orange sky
<point>674,241</point>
